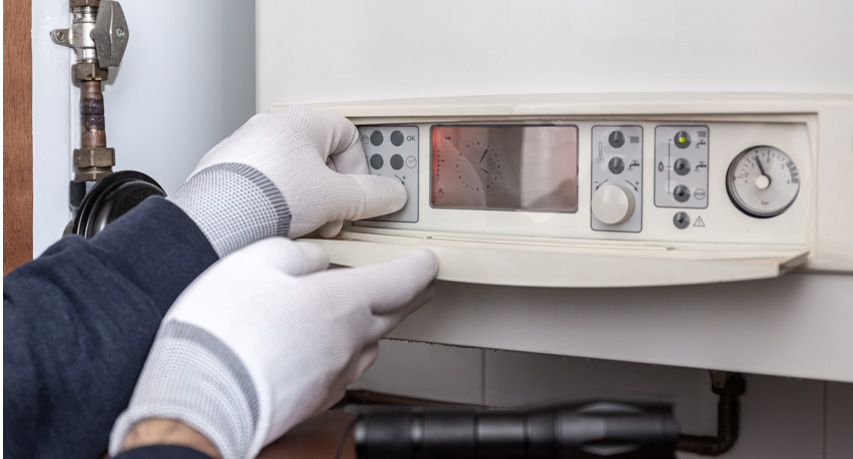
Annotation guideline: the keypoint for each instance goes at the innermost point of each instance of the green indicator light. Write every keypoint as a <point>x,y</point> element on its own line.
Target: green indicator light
<point>682,139</point>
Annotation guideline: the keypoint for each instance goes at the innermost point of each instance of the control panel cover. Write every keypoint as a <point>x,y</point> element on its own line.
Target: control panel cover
<point>664,239</point>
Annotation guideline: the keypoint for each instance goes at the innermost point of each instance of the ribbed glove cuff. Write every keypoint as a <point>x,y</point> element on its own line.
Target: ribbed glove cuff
<point>234,205</point>
<point>193,377</point>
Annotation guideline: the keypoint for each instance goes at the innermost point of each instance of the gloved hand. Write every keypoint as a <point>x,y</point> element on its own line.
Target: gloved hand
<point>286,173</point>
<point>261,341</point>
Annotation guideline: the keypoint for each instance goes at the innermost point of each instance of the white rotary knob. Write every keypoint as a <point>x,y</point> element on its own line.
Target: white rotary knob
<point>612,204</point>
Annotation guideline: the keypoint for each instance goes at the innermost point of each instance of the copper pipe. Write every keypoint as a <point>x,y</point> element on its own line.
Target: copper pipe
<point>92,120</point>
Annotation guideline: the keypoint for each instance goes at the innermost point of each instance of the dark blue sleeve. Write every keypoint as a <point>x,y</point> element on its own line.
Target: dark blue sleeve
<point>162,452</point>
<point>78,322</point>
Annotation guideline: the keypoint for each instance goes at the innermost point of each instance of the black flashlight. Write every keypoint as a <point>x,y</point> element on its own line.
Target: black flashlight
<point>580,430</point>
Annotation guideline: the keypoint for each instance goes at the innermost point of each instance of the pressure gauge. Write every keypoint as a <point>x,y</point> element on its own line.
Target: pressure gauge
<point>763,181</point>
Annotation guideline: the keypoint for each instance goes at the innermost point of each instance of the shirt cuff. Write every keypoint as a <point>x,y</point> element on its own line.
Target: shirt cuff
<point>162,452</point>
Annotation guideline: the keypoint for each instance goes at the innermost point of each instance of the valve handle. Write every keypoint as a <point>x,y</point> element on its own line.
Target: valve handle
<point>110,34</point>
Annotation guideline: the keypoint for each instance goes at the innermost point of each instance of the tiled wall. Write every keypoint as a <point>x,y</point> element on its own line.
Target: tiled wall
<point>781,417</point>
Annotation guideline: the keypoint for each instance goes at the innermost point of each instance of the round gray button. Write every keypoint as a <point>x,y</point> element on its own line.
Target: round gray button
<point>616,139</point>
<point>376,138</point>
<point>616,165</point>
<point>682,166</point>
<point>682,139</point>
<point>397,162</point>
<point>681,220</point>
<point>681,193</point>
<point>376,162</point>
<point>397,138</point>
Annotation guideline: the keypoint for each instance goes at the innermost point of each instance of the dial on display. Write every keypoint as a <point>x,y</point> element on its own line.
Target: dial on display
<point>478,166</point>
<point>763,181</point>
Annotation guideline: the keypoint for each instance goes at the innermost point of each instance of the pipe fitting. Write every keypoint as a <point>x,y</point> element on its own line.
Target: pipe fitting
<point>94,157</point>
<point>81,3</point>
<point>92,164</point>
<point>90,71</point>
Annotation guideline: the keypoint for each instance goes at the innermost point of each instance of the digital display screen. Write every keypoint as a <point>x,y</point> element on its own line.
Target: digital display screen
<point>505,167</point>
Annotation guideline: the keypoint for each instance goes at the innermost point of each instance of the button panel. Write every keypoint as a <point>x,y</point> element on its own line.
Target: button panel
<point>617,179</point>
<point>681,166</point>
<point>392,151</point>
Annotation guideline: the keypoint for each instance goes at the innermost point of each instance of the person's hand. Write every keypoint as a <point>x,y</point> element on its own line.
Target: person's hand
<point>262,341</point>
<point>286,173</point>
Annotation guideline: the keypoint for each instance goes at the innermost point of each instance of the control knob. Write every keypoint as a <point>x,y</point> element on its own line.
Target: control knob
<point>612,204</point>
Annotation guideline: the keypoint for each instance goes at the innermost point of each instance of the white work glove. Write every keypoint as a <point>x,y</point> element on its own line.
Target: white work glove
<point>286,173</point>
<point>262,341</point>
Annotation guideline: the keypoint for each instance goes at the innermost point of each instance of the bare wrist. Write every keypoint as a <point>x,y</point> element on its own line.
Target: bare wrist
<point>168,432</point>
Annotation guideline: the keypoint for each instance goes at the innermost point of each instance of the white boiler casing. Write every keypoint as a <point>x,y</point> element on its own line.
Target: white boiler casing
<point>658,62</point>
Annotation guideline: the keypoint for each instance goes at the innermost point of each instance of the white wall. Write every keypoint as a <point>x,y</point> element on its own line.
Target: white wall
<point>52,105</point>
<point>185,83</point>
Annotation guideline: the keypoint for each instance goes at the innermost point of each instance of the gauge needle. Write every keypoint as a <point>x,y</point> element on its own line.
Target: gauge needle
<point>487,172</point>
<point>760,167</point>
<point>763,180</point>
<point>484,155</point>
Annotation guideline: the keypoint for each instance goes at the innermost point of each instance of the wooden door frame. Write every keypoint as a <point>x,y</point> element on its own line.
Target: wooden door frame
<point>17,134</point>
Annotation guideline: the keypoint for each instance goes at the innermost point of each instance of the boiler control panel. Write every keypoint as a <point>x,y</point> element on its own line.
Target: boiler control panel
<point>526,178</point>
<point>591,191</point>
